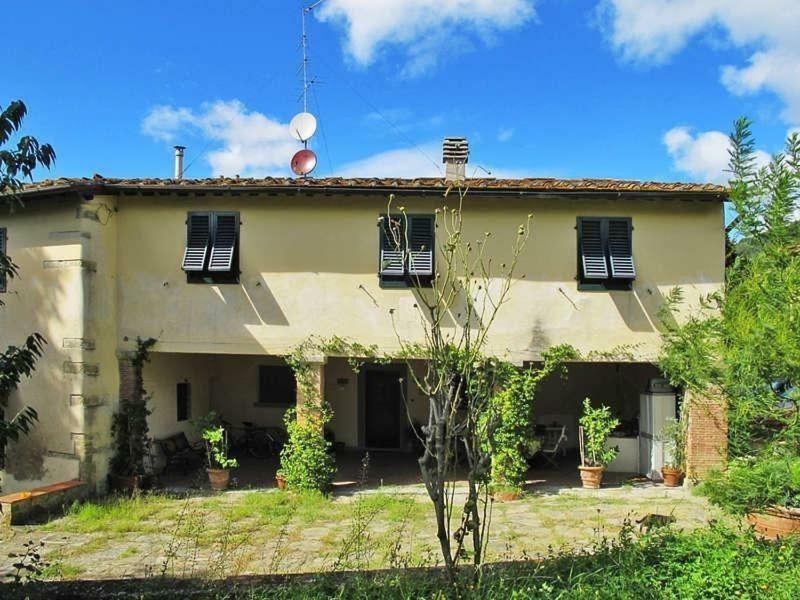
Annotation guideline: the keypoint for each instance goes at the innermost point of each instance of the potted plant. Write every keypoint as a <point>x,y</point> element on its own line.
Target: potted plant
<point>219,463</point>
<point>764,488</point>
<point>596,427</point>
<point>673,434</point>
<point>280,480</point>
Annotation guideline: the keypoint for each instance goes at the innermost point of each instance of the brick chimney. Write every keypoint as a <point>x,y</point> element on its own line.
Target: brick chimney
<point>455,155</point>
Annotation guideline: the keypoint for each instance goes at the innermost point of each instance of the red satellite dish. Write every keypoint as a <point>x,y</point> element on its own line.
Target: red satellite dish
<point>304,162</point>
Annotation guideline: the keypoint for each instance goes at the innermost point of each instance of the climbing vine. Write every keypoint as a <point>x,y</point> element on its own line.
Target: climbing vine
<point>510,440</point>
<point>129,426</point>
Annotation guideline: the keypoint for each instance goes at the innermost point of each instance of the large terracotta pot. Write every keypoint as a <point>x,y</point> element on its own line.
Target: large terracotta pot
<point>591,477</point>
<point>672,477</point>
<point>776,522</point>
<point>219,478</point>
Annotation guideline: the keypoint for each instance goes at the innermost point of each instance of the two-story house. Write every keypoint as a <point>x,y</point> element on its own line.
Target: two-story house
<point>230,275</point>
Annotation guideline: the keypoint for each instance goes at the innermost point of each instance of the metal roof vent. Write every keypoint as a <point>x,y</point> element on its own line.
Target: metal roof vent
<point>455,155</point>
<point>179,150</point>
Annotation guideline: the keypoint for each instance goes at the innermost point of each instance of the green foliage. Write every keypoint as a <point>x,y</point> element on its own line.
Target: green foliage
<point>510,440</point>
<point>754,483</point>
<point>673,434</point>
<point>216,439</point>
<point>306,459</point>
<point>17,163</point>
<point>597,426</point>
<point>743,340</point>
<point>129,425</point>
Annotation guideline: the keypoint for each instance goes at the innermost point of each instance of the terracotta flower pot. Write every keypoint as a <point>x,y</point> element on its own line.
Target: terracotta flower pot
<point>507,495</point>
<point>219,478</point>
<point>281,481</point>
<point>591,477</point>
<point>776,522</point>
<point>672,477</point>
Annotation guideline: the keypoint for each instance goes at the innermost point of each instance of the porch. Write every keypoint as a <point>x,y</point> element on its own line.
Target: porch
<point>376,409</point>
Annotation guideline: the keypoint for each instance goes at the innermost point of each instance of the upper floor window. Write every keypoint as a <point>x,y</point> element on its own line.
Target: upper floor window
<point>605,253</point>
<point>212,247</point>
<point>3,259</point>
<point>406,249</point>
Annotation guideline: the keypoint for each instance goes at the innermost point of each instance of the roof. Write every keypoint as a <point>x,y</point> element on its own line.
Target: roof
<point>539,186</point>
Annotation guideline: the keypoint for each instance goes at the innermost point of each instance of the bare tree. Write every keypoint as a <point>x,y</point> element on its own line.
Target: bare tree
<point>459,305</point>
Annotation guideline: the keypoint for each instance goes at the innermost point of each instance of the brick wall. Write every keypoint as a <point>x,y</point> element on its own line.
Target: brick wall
<point>707,433</point>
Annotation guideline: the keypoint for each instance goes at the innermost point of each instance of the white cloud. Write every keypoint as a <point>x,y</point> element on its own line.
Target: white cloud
<point>421,28</point>
<point>419,161</point>
<point>402,162</point>
<point>505,134</point>
<point>703,156</point>
<point>654,30</point>
<point>250,144</point>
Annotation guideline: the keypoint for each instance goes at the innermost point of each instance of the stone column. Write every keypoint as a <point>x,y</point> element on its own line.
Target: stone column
<point>707,432</point>
<point>314,394</point>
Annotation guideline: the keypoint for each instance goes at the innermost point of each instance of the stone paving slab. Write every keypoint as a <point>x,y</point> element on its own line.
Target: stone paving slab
<point>197,538</point>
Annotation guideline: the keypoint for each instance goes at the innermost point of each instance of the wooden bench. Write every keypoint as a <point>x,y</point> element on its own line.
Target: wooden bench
<point>16,508</point>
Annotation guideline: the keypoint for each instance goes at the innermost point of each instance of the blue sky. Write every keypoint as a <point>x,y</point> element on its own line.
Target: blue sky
<point>642,89</point>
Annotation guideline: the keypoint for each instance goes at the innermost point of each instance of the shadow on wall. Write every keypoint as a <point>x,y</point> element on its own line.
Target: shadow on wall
<point>640,307</point>
<point>258,297</point>
<point>25,458</point>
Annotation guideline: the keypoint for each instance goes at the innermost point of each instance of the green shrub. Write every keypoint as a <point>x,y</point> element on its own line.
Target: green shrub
<point>753,483</point>
<point>306,459</point>
<point>597,426</point>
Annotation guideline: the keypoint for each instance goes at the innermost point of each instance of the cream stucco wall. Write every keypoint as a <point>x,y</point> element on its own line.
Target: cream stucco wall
<point>309,267</point>
<point>98,272</point>
<point>66,291</point>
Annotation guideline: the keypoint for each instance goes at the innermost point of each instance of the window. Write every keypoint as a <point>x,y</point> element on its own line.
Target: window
<point>406,249</point>
<point>212,247</point>
<point>605,253</point>
<point>276,385</point>
<point>3,259</point>
<point>184,400</point>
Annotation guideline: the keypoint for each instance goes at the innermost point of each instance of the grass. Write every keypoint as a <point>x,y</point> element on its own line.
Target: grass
<point>268,531</point>
<point>114,515</point>
<point>711,563</point>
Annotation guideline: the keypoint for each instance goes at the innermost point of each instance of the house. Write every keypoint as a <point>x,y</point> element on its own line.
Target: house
<point>231,274</point>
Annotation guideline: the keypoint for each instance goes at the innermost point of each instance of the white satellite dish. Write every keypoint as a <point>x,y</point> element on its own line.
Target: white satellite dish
<point>303,126</point>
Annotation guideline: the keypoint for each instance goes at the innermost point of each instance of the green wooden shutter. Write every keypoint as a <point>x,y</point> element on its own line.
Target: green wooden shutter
<point>198,235</point>
<point>391,246</point>
<point>593,256</point>
<point>226,229</point>
<point>620,249</point>
<point>421,244</point>
<point>4,259</point>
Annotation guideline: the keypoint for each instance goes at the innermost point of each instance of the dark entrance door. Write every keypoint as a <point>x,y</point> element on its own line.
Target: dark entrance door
<point>382,409</point>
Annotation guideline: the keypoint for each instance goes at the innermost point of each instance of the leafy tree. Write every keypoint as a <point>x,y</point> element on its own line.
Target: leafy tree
<point>17,164</point>
<point>747,338</point>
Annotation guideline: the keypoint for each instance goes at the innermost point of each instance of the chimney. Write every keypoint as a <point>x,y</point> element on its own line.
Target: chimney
<point>179,161</point>
<point>455,155</point>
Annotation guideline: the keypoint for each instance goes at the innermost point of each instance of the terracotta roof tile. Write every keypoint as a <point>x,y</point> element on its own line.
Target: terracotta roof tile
<point>539,184</point>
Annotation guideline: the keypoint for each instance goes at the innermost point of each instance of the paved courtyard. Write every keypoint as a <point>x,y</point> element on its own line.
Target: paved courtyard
<point>266,531</point>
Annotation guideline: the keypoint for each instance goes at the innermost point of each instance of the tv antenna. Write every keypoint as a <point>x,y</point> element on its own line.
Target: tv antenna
<point>304,125</point>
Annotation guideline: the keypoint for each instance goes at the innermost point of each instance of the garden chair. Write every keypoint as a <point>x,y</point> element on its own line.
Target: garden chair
<point>553,442</point>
